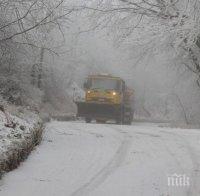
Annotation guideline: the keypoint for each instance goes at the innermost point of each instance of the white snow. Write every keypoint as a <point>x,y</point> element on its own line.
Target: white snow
<point>11,138</point>
<point>78,159</point>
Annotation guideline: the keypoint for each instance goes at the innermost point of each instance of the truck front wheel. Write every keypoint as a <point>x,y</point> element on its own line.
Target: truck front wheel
<point>118,121</point>
<point>128,116</point>
<point>88,120</point>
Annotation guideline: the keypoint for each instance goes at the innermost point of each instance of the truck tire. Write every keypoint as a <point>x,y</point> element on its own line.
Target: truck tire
<point>120,117</point>
<point>118,121</point>
<point>100,121</point>
<point>128,116</point>
<point>127,122</point>
<point>88,120</point>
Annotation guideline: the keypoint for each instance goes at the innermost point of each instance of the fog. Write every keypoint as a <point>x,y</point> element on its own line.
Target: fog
<point>154,50</point>
<point>164,90</point>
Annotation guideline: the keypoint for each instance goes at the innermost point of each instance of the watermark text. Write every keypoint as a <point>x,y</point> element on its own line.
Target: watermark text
<point>178,180</point>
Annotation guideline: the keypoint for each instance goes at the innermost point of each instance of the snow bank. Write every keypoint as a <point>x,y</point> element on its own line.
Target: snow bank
<point>16,143</point>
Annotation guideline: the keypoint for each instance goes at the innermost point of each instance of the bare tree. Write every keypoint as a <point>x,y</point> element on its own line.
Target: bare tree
<point>25,34</point>
<point>152,25</point>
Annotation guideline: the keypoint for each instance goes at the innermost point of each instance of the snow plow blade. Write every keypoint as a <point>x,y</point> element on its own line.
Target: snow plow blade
<point>95,110</point>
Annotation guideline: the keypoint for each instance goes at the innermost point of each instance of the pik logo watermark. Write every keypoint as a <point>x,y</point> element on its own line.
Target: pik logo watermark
<point>178,180</point>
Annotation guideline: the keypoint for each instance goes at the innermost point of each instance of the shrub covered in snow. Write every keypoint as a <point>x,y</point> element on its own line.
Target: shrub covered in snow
<point>17,142</point>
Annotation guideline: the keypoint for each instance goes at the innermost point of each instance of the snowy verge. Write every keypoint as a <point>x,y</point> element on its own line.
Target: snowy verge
<point>16,143</point>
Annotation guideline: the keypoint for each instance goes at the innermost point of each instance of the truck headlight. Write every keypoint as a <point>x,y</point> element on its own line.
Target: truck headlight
<point>114,93</point>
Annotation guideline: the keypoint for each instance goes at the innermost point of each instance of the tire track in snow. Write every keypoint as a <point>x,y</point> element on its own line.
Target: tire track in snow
<point>159,136</point>
<point>193,190</point>
<point>192,154</point>
<point>107,170</point>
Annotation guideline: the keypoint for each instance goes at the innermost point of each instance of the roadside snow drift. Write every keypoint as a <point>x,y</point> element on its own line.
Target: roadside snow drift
<point>17,142</point>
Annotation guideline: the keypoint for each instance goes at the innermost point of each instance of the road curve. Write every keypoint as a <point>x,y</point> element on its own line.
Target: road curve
<point>78,159</point>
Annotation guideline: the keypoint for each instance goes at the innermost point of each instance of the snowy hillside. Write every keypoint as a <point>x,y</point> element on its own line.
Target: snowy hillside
<point>17,139</point>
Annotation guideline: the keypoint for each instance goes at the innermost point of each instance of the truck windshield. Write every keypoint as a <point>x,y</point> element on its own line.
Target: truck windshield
<point>105,84</point>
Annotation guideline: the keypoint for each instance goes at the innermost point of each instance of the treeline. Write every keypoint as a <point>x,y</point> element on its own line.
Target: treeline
<point>27,29</point>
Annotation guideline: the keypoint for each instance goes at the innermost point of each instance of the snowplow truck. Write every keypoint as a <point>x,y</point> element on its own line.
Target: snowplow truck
<point>106,98</point>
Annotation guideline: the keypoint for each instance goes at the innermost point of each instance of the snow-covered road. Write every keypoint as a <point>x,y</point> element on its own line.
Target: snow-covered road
<point>78,159</point>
